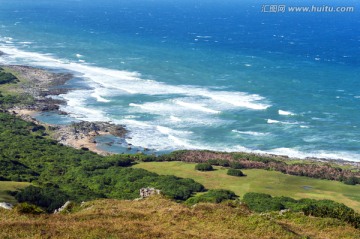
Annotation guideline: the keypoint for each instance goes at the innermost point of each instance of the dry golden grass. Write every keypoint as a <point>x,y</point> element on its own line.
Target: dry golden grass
<point>157,217</point>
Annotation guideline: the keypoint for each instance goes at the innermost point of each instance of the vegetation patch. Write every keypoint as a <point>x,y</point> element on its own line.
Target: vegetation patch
<point>235,172</point>
<point>6,78</point>
<point>212,196</point>
<point>64,173</point>
<point>260,202</point>
<point>204,167</point>
<point>277,163</point>
<point>27,208</point>
<point>7,186</point>
<point>262,181</point>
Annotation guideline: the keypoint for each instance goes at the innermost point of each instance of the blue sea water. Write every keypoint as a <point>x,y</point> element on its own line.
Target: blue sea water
<point>209,74</point>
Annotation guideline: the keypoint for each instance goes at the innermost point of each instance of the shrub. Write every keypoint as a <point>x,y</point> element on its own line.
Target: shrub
<point>213,196</point>
<point>236,165</point>
<point>204,167</point>
<point>223,163</point>
<point>352,181</point>
<point>213,162</point>
<point>7,77</point>
<point>28,208</point>
<point>261,202</point>
<point>328,208</point>
<point>177,188</point>
<point>235,172</point>
<point>47,198</point>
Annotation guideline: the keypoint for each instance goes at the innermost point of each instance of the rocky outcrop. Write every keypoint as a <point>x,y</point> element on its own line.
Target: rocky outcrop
<point>84,129</point>
<point>6,205</point>
<point>147,192</point>
<point>87,128</point>
<point>39,84</point>
<point>65,207</point>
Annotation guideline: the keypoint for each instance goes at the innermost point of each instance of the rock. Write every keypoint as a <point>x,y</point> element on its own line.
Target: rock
<point>146,192</point>
<point>6,205</point>
<point>282,212</point>
<point>66,206</point>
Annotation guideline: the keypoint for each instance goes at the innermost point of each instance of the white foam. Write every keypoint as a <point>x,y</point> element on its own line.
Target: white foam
<point>186,113</point>
<point>97,95</point>
<point>79,55</point>
<point>198,107</point>
<point>270,121</point>
<point>205,37</point>
<point>76,106</point>
<point>296,153</point>
<point>287,113</point>
<point>238,99</point>
<point>250,133</point>
<point>175,119</point>
<point>166,137</point>
<point>26,42</point>
<point>132,83</point>
<point>130,117</point>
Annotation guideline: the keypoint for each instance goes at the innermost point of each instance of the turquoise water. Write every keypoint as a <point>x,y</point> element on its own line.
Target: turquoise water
<point>217,75</point>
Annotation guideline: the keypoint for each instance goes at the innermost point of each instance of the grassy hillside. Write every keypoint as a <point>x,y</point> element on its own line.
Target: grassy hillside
<point>257,180</point>
<point>160,218</point>
<point>10,186</point>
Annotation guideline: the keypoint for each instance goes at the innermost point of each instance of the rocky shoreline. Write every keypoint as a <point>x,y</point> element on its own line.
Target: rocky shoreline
<point>40,85</point>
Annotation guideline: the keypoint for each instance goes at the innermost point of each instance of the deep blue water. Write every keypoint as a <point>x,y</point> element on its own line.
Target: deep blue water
<point>205,74</point>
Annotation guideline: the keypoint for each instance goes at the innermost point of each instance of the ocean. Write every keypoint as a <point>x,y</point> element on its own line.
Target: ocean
<point>218,75</point>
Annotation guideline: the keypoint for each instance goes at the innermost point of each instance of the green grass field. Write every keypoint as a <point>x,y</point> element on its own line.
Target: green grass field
<point>257,180</point>
<point>12,186</point>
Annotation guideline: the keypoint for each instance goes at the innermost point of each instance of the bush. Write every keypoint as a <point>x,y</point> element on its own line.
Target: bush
<point>351,181</point>
<point>177,188</point>
<point>236,165</point>
<point>235,172</point>
<point>223,163</point>
<point>7,77</point>
<point>213,196</point>
<point>328,208</point>
<point>204,167</point>
<point>47,198</point>
<point>219,162</point>
<point>28,208</point>
<point>261,202</point>
<point>213,162</point>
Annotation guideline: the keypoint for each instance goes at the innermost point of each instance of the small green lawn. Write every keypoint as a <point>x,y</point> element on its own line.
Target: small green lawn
<point>12,186</point>
<point>258,180</point>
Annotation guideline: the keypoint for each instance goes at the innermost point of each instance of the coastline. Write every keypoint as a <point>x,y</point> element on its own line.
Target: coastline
<point>42,83</point>
<point>81,135</point>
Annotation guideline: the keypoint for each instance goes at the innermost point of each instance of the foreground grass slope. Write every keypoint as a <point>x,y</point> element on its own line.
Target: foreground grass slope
<point>262,181</point>
<point>158,217</point>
